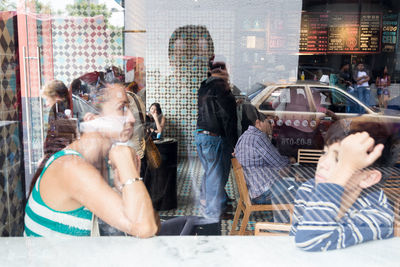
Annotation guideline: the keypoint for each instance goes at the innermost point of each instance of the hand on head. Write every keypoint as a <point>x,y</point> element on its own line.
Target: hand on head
<point>344,161</point>
<point>358,151</point>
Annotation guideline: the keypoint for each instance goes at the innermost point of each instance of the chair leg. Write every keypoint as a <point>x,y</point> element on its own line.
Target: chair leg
<point>245,220</point>
<point>236,219</point>
<point>397,218</point>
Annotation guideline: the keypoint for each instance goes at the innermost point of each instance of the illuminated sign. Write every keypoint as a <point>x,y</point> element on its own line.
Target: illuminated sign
<point>389,32</point>
<point>340,33</point>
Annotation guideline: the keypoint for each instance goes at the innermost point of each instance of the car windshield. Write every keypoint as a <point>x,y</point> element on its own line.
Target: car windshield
<point>336,101</point>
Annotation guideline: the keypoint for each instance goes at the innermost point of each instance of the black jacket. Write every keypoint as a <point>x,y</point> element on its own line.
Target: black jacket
<point>217,109</point>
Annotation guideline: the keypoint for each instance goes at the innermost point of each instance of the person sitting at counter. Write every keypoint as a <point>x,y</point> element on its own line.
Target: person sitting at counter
<point>57,98</point>
<point>343,205</point>
<point>71,186</point>
<point>156,121</point>
<point>262,163</point>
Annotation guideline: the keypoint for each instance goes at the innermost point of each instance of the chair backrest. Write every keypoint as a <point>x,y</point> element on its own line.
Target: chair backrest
<point>309,155</point>
<point>241,182</point>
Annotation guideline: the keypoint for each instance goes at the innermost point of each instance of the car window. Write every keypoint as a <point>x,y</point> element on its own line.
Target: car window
<point>334,100</point>
<point>286,99</point>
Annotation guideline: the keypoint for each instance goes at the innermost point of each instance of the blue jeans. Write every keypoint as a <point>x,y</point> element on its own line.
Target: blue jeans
<point>350,105</point>
<point>215,157</point>
<point>364,94</point>
<point>282,191</point>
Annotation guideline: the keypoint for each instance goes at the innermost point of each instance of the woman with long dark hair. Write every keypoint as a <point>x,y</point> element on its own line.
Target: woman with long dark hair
<point>156,120</point>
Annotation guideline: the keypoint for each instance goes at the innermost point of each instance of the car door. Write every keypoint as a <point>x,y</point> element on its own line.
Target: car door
<point>294,123</point>
<point>331,104</point>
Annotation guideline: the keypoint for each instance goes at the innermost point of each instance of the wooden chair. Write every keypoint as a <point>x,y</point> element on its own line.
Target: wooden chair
<point>244,204</point>
<point>391,187</point>
<point>397,217</point>
<point>269,228</point>
<point>309,155</point>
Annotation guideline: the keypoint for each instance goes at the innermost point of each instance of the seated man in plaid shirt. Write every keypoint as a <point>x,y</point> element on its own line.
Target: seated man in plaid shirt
<point>262,164</point>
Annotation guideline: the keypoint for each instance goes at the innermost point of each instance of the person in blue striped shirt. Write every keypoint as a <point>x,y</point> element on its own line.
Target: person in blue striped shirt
<point>344,204</point>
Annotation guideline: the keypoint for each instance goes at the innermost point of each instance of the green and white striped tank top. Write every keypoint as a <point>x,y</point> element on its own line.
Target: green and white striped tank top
<point>41,220</point>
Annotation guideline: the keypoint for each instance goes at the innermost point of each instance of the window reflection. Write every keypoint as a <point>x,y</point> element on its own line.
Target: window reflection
<point>295,61</point>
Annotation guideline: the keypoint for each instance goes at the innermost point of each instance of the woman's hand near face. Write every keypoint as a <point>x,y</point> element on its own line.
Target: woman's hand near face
<point>117,157</point>
<point>153,112</point>
<point>124,159</point>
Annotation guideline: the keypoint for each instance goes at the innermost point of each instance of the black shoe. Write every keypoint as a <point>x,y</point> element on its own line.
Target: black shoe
<point>230,200</point>
<point>226,216</point>
<point>229,208</point>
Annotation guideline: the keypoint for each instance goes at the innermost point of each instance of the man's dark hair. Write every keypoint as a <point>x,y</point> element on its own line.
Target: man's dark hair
<point>250,115</point>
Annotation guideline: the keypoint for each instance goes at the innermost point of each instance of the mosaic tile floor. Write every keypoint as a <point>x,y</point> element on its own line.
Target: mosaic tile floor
<point>189,177</point>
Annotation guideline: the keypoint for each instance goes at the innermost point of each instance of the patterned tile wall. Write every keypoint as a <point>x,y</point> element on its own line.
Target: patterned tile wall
<point>8,67</point>
<point>12,196</point>
<point>44,29</point>
<point>82,45</point>
<point>174,81</point>
<point>14,181</point>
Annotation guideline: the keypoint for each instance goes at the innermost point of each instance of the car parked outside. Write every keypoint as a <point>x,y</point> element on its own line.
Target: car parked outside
<point>301,114</point>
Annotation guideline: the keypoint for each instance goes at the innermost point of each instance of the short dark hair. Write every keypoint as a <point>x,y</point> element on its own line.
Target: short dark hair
<point>251,114</point>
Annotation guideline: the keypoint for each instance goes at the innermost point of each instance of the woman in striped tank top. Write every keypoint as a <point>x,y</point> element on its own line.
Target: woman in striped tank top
<point>71,186</point>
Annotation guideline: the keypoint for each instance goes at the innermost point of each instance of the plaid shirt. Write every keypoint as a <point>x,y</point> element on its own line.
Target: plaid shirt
<point>260,160</point>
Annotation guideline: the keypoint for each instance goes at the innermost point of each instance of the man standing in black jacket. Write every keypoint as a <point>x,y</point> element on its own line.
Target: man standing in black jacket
<point>215,139</point>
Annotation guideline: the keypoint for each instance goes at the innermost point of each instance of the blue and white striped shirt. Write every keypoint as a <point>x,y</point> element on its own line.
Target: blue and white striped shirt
<point>260,160</point>
<point>315,224</point>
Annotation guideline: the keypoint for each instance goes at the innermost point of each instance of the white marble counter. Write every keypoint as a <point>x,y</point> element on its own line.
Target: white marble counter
<point>189,251</point>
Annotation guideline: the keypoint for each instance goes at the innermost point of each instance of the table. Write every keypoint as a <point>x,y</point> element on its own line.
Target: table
<point>190,251</point>
<point>300,172</point>
<point>305,172</point>
<point>161,182</point>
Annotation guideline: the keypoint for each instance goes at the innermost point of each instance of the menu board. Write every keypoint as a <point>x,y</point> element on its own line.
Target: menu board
<point>370,33</point>
<point>314,32</point>
<point>340,33</point>
<point>389,34</point>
